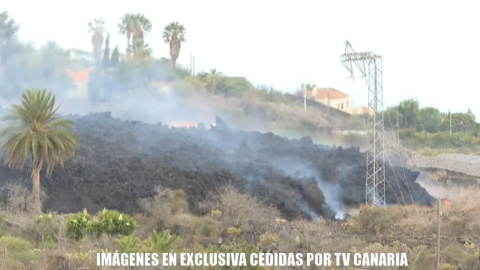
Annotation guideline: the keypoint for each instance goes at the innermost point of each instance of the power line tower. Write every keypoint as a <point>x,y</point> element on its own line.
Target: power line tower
<point>370,66</point>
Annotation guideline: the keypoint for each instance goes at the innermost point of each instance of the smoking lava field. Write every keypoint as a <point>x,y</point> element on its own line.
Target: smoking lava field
<point>119,162</point>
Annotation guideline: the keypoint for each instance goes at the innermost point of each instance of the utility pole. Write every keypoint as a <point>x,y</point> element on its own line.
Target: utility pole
<point>191,64</point>
<point>450,121</point>
<point>398,130</point>
<point>193,59</point>
<point>304,95</point>
<point>438,235</point>
<point>328,98</point>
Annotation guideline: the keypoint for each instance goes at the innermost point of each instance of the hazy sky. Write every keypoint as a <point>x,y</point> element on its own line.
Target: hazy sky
<point>430,49</point>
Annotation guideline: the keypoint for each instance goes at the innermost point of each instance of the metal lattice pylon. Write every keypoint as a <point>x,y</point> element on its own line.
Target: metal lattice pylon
<point>370,66</point>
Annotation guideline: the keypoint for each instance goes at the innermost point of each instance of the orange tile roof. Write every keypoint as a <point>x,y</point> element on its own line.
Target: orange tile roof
<point>329,93</point>
<point>81,76</point>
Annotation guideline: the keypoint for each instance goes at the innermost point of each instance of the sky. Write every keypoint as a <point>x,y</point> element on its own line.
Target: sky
<point>430,49</point>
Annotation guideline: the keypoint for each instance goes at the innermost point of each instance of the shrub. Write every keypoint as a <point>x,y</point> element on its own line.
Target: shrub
<point>76,226</point>
<point>233,231</point>
<point>18,199</point>
<point>162,242</point>
<point>43,230</point>
<point>106,221</point>
<point>447,266</point>
<point>158,209</point>
<point>216,214</point>
<point>243,212</point>
<point>113,222</point>
<point>203,226</point>
<point>267,240</point>
<point>178,202</point>
<point>375,220</point>
<point>427,151</point>
<point>14,244</point>
<point>128,244</point>
<point>94,228</point>
<point>19,251</point>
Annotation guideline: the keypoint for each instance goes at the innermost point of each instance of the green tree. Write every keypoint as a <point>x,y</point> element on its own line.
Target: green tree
<point>125,27</point>
<point>141,26</point>
<point>463,122</point>
<point>106,53</point>
<point>97,27</point>
<point>234,86</point>
<point>115,57</point>
<point>174,34</point>
<point>30,68</point>
<point>429,119</point>
<point>409,109</point>
<point>211,79</point>
<point>8,31</point>
<point>36,131</point>
<point>134,27</point>
<point>469,112</point>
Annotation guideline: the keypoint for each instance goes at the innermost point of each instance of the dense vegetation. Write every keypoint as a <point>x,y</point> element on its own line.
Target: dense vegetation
<point>428,128</point>
<point>233,222</point>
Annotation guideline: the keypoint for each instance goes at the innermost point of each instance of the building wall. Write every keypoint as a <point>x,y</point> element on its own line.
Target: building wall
<point>340,104</point>
<point>358,110</point>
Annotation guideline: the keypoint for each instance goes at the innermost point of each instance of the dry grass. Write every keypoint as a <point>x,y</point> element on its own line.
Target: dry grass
<point>242,211</point>
<point>233,217</point>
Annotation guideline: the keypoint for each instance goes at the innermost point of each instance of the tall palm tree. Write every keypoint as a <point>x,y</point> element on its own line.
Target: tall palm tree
<point>125,27</point>
<point>36,133</point>
<point>135,27</point>
<point>97,27</point>
<point>141,27</point>
<point>174,34</point>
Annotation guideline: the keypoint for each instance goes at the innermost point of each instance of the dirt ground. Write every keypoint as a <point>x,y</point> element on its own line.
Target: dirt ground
<point>463,163</point>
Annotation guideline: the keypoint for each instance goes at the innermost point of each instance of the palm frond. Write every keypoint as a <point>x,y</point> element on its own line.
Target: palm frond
<point>36,131</point>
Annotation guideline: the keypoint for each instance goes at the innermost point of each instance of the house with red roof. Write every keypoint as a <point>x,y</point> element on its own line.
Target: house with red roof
<point>330,97</point>
<point>335,99</point>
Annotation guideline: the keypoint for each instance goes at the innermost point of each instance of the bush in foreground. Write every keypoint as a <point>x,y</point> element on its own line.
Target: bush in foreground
<point>110,222</point>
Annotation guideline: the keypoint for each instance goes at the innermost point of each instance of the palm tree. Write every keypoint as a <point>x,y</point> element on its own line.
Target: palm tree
<point>36,133</point>
<point>134,27</point>
<point>97,38</point>
<point>141,26</point>
<point>125,27</point>
<point>174,34</point>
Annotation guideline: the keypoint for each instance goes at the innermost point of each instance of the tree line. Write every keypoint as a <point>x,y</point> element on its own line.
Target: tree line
<point>408,114</point>
<point>135,27</point>
<point>25,67</point>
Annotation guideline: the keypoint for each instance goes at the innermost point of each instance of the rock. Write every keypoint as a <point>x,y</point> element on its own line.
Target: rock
<point>220,124</point>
